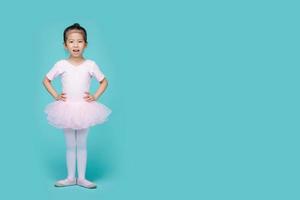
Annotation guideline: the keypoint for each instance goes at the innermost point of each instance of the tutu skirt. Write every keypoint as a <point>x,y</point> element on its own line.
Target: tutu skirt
<point>76,115</point>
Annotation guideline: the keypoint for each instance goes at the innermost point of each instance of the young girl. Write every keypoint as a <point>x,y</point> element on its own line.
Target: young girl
<point>75,109</point>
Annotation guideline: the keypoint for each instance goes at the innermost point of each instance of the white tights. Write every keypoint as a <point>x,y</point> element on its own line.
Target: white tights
<point>76,138</point>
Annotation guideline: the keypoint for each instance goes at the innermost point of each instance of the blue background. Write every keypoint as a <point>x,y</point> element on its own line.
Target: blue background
<point>204,97</point>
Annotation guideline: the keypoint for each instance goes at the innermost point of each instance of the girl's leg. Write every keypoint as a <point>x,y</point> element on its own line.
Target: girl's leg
<point>82,159</point>
<point>70,138</point>
<point>81,141</point>
<point>71,152</point>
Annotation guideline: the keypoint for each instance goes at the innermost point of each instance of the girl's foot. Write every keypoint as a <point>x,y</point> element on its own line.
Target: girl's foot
<point>65,182</point>
<point>85,183</point>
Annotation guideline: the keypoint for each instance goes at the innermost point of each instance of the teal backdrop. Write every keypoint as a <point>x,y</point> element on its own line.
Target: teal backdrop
<point>204,98</point>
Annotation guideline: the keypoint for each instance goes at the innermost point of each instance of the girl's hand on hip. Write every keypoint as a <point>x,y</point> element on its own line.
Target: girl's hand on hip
<point>88,97</point>
<point>62,97</point>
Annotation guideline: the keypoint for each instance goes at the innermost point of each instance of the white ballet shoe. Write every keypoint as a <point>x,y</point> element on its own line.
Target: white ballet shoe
<point>87,184</point>
<point>65,182</point>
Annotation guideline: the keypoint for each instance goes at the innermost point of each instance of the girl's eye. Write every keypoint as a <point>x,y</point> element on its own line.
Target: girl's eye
<point>80,41</point>
<point>71,41</point>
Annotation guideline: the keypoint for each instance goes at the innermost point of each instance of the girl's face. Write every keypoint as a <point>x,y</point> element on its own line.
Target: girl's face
<point>75,44</point>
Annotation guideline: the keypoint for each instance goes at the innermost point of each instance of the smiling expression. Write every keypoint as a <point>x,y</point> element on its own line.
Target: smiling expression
<point>75,44</point>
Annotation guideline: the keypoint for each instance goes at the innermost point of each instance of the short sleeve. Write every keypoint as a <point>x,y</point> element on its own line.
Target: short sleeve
<point>55,71</point>
<point>96,72</point>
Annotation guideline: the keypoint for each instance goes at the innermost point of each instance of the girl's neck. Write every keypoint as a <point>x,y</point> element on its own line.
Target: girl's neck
<point>76,59</point>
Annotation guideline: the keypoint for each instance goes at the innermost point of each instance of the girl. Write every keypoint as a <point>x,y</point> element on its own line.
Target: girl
<point>75,109</point>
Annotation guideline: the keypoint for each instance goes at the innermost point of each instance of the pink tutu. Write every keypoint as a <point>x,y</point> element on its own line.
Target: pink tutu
<point>76,115</point>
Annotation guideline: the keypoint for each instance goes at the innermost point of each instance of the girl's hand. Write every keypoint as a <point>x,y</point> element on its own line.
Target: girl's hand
<point>89,97</point>
<point>62,97</point>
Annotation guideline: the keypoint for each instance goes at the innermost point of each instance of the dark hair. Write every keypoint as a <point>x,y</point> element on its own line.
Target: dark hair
<point>75,26</point>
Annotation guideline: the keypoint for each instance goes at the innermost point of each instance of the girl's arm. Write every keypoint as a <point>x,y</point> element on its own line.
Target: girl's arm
<point>51,90</point>
<point>102,87</point>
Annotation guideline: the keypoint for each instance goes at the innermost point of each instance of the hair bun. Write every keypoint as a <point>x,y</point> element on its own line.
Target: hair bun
<point>76,25</point>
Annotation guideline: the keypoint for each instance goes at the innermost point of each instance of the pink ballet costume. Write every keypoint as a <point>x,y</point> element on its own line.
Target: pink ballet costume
<point>75,112</point>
